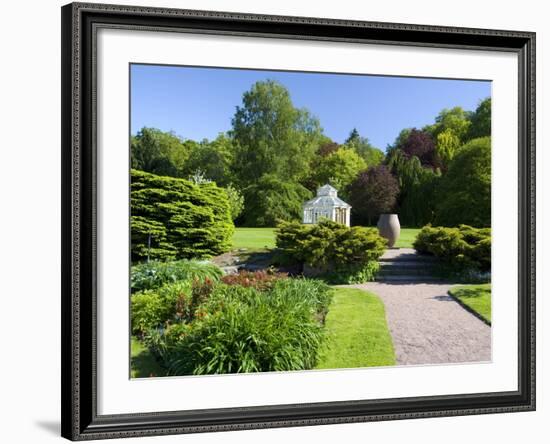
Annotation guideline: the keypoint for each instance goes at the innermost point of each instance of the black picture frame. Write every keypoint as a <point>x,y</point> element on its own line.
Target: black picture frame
<point>80,420</point>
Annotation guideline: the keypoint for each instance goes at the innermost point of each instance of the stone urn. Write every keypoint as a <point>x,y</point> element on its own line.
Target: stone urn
<point>389,228</point>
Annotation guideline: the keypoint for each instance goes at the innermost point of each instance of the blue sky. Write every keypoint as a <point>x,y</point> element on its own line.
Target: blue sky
<point>198,103</point>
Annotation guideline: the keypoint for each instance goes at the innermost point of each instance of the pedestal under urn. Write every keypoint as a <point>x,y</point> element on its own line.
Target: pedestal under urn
<point>389,228</point>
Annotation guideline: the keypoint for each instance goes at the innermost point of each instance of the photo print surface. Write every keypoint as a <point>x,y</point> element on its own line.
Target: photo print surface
<point>291,221</point>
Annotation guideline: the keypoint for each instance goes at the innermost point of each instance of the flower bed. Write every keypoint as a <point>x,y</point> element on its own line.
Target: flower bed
<point>252,321</point>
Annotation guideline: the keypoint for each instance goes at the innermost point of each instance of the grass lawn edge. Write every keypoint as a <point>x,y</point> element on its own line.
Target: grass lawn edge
<point>358,332</point>
<point>466,306</point>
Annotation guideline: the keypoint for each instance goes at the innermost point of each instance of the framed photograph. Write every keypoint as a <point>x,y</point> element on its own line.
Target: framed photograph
<point>278,221</point>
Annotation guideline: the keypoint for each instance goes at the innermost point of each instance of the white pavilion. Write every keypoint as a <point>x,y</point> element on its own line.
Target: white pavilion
<point>327,205</point>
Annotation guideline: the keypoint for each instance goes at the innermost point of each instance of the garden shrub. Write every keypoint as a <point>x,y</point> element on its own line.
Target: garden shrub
<point>260,280</point>
<point>241,329</point>
<point>353,273</point>
<point>177,302</point>
<point>463,246</point>
<point>153,308</point>
<point>341,253</point>
<point>176,218</point>
<point>155,274</point>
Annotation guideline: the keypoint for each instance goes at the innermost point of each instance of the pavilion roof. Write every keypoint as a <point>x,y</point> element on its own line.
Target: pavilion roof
<point>327,197</point>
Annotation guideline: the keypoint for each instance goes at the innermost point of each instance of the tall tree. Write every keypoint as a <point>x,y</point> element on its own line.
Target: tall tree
<point>353,136</point>
<point>400,139</point>
<point>465,191</point>
<point>159,152</point>
<point>362,146</point>
<point>272,136</point>
<point>327,148</point>
<point>270,200</point>
<point>339,168</point>
<point>417,186</point>
<point>420,144</point>
<point>481,120</point>
<point>456,120</point>
<point>446,146</point>
<point>213,159</point>
<point>372,193</point>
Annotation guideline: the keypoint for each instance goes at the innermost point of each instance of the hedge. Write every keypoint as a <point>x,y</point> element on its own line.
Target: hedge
<point>464,246</point>
<point>339,253</point>
<point>174,218</point>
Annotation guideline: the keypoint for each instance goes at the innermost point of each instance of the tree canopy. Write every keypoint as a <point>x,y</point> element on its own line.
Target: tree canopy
<point>271,199</point>
<point>159,152</point>
<point>372,193</point>
<point>339,168</point>
<point>213,159</point>
<point>369,153</point>
<point>276,155</point>
<point>481,120</point>
<point>272,136</point>
<point>420,144</point>
<point>465,191</point>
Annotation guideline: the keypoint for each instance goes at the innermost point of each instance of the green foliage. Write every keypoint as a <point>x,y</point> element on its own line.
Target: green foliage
<point>339,168</point>
<point>143,364</point>
<point>159,152</point>
<point>456,121</point>
<point>154,308</point>
<point>481,120</point>
<point>175,218</point>
<point>214,159</point>
<point>236,201</point>
<point>153,275</point>
<point>418,186</point>
<point>462,247</point>
<point>343,254</point>
<point>272,136</point>
<point>361,145</point>
<point>460,192</point>
<point>400,139</point>
<point>312,291</point>
<point>274,147</point>
<point>150,239</point>
<point>447,144</point>
<point>352,273</point>
<point>271,199</point>
<point>240,329</point>
<point>172,302</point>
<point>464,196</point>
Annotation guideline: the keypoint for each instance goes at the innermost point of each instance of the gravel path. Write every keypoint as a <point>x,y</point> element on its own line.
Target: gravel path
<point>428,326</point>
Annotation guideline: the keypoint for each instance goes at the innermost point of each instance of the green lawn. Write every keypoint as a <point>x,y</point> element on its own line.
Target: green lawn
<point>254,238</point>
<point>407,237</point>
<point>143,363</point>
<point>358,334</point>
<point>475,297</point>
<point>264,238</point>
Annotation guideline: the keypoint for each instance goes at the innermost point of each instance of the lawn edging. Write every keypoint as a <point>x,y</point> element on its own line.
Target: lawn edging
<point>468,308</point>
